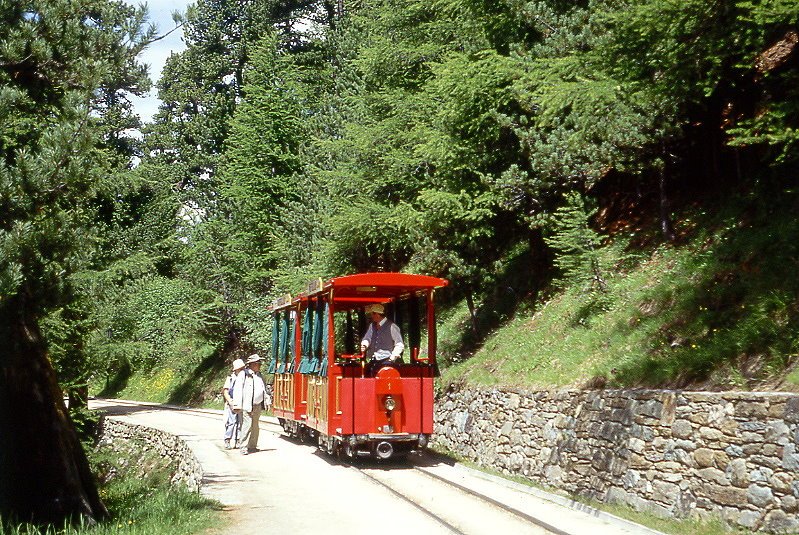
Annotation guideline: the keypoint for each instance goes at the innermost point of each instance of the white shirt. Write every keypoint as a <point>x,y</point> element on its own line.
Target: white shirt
<point>248,390</point>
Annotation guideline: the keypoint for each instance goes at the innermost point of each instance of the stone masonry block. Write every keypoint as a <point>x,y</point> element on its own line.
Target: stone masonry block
<point>791,414</point>
<point>723,495</point>
<point>747,409</point>
<point>682,429</point>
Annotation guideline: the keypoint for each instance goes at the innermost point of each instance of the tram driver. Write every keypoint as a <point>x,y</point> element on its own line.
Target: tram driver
<point>382,341</point>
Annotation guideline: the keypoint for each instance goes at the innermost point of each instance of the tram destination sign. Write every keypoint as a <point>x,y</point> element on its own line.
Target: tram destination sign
<point>314,286</point>
<point>282,301</point>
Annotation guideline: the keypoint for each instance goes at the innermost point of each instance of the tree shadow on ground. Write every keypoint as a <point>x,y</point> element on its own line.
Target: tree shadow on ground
<point>117,382</point>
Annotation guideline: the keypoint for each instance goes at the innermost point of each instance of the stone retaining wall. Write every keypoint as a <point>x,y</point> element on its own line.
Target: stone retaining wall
<point>187,469</point>
<point>733,455</point>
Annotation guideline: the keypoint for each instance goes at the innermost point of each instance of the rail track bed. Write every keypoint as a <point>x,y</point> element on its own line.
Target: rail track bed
<point>460,512</point>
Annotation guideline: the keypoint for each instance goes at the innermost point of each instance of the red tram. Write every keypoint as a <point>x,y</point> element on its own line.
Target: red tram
<point>323,389</point>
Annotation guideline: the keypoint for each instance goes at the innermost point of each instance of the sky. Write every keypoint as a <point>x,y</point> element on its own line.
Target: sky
<point>156,54</point>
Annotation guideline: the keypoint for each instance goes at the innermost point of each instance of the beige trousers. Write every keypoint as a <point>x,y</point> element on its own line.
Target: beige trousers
<point>249,429</point>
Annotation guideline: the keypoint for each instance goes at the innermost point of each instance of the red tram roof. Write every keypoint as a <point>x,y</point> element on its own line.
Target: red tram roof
<point>393,283</point>
<point>352,291</point>
<point>381,286</point>
<point>357,290</point>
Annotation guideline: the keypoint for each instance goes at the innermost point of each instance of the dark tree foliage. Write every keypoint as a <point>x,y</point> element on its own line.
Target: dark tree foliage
<point>222,220</point>
<point>59,63</point>
<point>436,136</point>
<point>200,87</point>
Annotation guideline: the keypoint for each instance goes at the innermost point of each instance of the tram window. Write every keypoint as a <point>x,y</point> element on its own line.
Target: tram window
<point>418,338</point>
<point>416,333</point>
<point>348,333</point>
<point>410,315</point>
<point>362,324</point>
<point>345,335</point>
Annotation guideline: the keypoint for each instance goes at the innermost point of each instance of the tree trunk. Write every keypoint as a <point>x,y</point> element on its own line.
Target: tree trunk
<point>666,226</point>
<point>472,313</point>
<point>78,397</point>
<point>44,474</point>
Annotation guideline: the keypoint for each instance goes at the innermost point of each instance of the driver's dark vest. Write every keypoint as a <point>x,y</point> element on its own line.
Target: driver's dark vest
<point>381,339</point>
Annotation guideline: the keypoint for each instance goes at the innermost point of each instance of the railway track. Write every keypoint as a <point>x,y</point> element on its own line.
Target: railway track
<point>459,509</point>
<point>441,519</point>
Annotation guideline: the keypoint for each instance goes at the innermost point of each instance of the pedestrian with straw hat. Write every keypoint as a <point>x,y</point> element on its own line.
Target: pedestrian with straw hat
<point>249,394</point>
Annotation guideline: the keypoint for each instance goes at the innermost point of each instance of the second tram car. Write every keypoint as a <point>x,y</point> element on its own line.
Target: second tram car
<point>323,388</point>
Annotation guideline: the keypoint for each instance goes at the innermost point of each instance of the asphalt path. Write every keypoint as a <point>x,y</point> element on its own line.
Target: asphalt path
<point>288,487</point>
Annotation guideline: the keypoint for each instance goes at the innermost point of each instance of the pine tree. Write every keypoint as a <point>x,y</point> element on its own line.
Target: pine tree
<point>577,246</point>
<point>55,59</point>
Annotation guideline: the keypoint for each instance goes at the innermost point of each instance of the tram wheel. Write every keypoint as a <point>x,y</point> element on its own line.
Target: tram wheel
<point>349,452</point>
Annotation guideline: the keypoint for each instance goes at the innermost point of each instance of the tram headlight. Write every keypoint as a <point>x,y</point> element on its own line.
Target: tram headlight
<point>423,439</point>
<point>390,403</point>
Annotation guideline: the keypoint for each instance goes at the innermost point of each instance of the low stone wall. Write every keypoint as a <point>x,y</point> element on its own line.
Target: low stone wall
<point>187,469</point>
<point>733,455</point>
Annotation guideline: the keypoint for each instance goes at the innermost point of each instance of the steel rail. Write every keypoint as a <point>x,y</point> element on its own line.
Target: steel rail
<point>521,514</point>
<point>414,503</point>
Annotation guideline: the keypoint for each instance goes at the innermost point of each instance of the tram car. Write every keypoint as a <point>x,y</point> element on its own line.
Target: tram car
<point>324,388</point>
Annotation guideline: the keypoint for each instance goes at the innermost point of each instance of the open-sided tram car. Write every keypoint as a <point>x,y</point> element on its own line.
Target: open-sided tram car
<point>322,387</point>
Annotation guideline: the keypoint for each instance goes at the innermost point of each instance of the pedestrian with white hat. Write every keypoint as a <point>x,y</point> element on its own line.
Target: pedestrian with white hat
<point>249,394</point>
<point>232,419</point>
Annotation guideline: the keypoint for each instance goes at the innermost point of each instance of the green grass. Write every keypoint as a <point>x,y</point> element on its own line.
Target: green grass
<point>177,383</point>
<point>720,310</point>
<point>139,499</point>
<point>140,510</point>
<point>675,527</point>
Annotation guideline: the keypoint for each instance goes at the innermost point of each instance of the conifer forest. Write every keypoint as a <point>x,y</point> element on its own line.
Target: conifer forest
<point>624,169</point>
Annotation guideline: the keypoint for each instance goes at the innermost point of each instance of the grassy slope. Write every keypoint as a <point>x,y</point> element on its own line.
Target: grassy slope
<point>720,310</point>
<point>172,382</point>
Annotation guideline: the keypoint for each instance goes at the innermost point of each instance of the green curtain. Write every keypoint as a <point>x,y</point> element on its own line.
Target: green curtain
<point>325,337</point>
<point>275,344</point>
<point>282,357</point>
<point>307,339</point>
<point>291,327</point>
<point>316,341</point>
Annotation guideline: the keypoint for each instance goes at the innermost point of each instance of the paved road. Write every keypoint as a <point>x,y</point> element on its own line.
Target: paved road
<point>291,488</point>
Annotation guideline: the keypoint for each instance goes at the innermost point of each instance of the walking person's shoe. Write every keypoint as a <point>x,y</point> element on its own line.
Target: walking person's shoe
<point>245,451</point>
<point>227,444</point>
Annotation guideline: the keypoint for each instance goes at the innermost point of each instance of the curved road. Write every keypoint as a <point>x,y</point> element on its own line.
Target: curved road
<point>287,487</point>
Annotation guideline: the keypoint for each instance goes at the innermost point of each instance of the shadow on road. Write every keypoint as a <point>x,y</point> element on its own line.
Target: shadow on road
<point>427,458</point>
<point>118,409</point>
